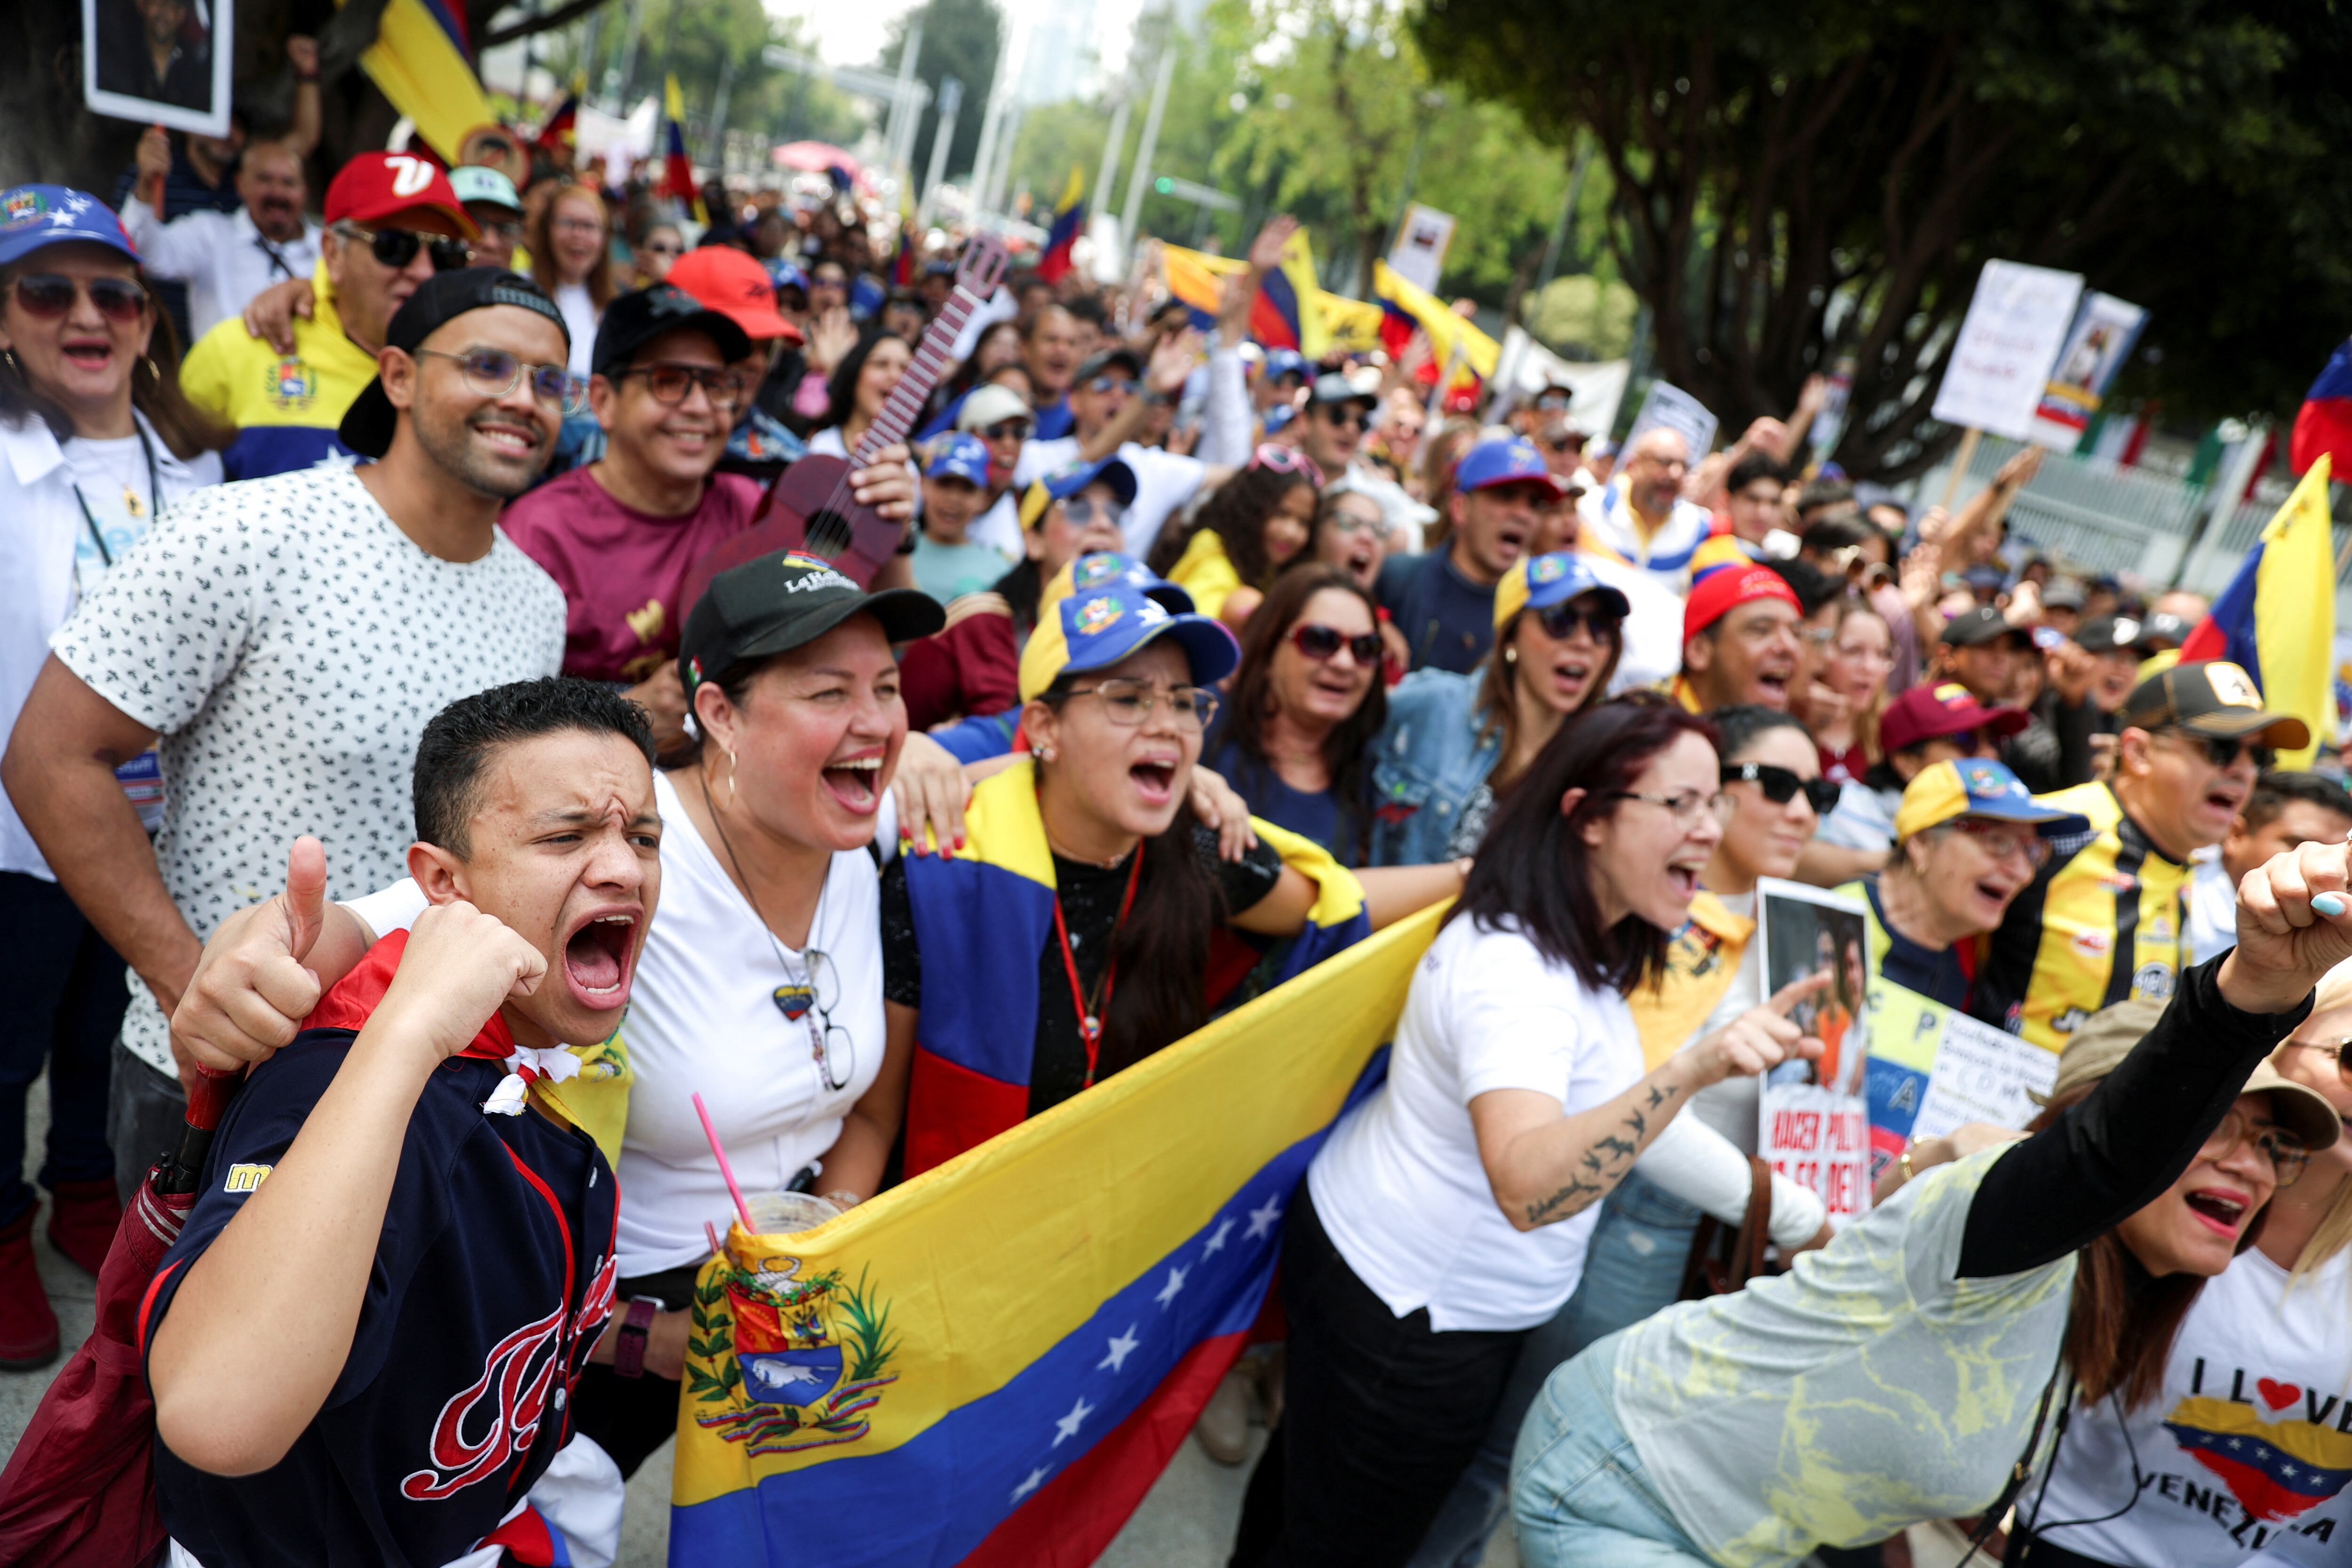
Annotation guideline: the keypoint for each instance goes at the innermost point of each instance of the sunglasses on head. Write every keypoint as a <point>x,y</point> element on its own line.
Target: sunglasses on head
<point>2222,751</point>
<point>396,248</point>
<point>47,296</point>
<point>1287,460</point>
<point>1780,784</point>
<point>1560,623</point>
<point>1318,641</point>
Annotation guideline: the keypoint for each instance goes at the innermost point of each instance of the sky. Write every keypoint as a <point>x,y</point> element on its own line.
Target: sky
<point>853,35</point>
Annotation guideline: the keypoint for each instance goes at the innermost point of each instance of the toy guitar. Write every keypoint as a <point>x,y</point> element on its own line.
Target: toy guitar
<point>811,507</point>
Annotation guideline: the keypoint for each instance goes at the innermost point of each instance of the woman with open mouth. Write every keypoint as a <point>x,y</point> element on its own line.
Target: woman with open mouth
<point>1253,526</point>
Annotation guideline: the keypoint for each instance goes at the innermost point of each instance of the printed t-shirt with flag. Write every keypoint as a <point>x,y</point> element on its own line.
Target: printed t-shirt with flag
<point>286,407</point>
<point>493,1276</point>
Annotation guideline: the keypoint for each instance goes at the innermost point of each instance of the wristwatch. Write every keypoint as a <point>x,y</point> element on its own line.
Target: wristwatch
<point>629,1349</point>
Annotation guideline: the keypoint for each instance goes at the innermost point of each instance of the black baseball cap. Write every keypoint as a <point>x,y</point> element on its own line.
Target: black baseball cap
<point>1974,628</point>
<point>2212,697</point>
<point>441,298</point>
<point>1097,364</point>
<point>2107,633</point>
<point>781,601</point>
<point>2161,631</point>
<point>1338,386</point>
<point>631,320</point>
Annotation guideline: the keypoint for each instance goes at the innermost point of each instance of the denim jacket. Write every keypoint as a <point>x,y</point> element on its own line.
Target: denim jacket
<point>1427,762</point>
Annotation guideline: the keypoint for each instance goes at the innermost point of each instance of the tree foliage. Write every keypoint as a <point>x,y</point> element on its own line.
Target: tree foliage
<point>695,40</point>
<point>961,38</point>
<point>1824,178</point>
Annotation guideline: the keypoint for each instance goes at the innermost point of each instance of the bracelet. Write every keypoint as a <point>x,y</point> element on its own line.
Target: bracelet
<point>1905,1163</point>
<point>629,1346</point>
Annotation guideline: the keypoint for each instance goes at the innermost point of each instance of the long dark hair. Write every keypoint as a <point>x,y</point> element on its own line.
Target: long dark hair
<point>155,391</point>
<point>1347,750</point>
<point>1236,513</point>
<point>1498,695</point>
<point>841,387</point>
<point>1531,869</point>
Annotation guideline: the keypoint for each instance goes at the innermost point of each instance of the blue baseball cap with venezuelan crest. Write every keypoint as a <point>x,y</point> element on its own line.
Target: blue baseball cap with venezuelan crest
<point>1068,480</point>
<point>33,217</point>
<point>1096,628</point>
<point>959,457</point>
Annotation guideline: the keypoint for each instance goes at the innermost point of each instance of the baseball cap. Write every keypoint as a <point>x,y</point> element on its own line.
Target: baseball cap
<point>441,298</point>
<point>991,404</point>
<point>1511,461</point>
<point>960,457</point>
<point>1104,568</point>
<point>1537,582</point>
<point>1096,629</point>
<point>1278,416</point>
<point>1974,628</point>
<point>781,601</point>
<point>374,186</point>
<point>1944,708</point>
<point>1338,386</point>
<point>2107,634</point>
<point>2163,629</point>
<point>1986,576</point>
<point>1071,478</point>
<point>2063,593</point>
<point>1977,787</point>
<point>1097,363</point>
<point>634,320</point>
<point>735,285</point>
<point>472,182</point>
<point>1720,591</point>
<point>33,217</point>
<point>2212,697</point>
<point>1284,362</point>
<point>2100,1045</point>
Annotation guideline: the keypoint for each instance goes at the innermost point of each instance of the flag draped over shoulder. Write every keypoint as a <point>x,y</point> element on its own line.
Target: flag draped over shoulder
<point>2277,618</point>
<point>422,62</point>
<point>1406,306</point>
<point>677,169</point>
<point>1069,221</point>
<point>992,1363</point>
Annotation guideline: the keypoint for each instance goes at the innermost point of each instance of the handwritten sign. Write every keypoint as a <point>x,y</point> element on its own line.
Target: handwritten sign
<point>2000,363</point>
<point>1931,1069</point>
<point>1818,1139</point>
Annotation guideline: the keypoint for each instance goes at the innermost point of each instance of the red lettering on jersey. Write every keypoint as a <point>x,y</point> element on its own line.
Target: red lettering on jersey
<point>512,1395</point>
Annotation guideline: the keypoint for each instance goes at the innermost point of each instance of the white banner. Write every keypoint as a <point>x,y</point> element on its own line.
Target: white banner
<point>1418,255</point>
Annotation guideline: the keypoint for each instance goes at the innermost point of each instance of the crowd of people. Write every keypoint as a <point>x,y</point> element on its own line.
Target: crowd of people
<point>372,734</point>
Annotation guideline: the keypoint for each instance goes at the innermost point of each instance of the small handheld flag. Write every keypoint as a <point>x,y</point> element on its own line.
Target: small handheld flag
<point>1069,221</point>
<point>678,170</point>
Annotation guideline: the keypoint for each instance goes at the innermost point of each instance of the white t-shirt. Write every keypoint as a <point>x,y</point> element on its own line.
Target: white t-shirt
<point>2247,1447</point>
<point>1163,482</point>
<point>289,643</point>
<point>829,442</point>
<point>999,527</point>
<point>581,315</point>
<point>1400,1188</point>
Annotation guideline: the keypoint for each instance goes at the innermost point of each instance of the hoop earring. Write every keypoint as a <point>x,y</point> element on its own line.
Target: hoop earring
<point>732,789</point>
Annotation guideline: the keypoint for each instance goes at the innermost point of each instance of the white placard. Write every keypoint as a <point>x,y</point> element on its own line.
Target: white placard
<point>1418,255</point>
<point>2100,339</point>
<point>1667,404</point>
<point>118,63</point>
<point>1983,1074</point>
<point>2000,363</point>
<point>1812,1124</point>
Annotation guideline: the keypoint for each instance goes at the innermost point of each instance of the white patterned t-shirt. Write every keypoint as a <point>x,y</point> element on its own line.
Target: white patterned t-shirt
<point>288,644</point>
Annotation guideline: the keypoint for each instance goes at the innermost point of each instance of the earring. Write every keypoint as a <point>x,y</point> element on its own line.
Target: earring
<point>1045,754</point>
<point>152,373</point>
<point>730,783</point>
<point>1510,655</point>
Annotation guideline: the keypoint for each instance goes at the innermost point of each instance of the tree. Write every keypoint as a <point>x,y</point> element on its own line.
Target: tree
<point>1800,183</point>
<point>698,41</point>
<point>961,38</point>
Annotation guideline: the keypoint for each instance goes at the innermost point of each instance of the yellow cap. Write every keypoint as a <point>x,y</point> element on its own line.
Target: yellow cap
<point>1977,787</point>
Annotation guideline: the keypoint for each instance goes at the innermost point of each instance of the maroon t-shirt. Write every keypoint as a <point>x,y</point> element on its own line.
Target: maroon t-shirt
<point>622,570</point>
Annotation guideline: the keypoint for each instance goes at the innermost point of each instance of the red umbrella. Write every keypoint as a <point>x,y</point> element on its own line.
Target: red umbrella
<point>819,158</point>
<point>80,1490</point>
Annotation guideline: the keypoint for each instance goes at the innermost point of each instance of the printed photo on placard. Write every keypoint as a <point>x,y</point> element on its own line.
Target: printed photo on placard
<point>1805,932</point>
<point>160,62</point>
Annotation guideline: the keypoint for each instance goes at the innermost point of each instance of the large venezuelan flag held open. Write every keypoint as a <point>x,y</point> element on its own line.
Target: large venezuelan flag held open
<point>992,1363</point>
<point>2276,620</point>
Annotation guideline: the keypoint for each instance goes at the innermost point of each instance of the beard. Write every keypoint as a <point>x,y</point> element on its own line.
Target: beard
<point>449,442</point>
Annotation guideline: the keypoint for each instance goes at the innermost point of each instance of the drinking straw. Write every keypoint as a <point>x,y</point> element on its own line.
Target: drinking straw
<point>742,1211</point>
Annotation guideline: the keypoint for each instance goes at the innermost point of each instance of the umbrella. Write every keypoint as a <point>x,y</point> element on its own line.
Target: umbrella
<point>820,158</point>
<point>80,1490</point>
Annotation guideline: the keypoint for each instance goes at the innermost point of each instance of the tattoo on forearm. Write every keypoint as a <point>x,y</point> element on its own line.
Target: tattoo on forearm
<point>1619,1148</point>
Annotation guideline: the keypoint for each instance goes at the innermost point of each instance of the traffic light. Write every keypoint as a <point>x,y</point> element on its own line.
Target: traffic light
<point>1163,185</point>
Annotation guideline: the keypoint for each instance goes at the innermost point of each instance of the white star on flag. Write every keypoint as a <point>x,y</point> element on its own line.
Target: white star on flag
<point>1067,1427</point>
<point>1115,1358</point>
<point>1262,1219</point>
<point>1217,1242</point>
<point>1175,1283</point>
<point>1032,1481</point>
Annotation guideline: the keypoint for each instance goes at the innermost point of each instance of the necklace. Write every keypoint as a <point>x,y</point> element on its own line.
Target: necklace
<point>132,504</point>
<point>810,1014</point>
<point>1090,1011</point>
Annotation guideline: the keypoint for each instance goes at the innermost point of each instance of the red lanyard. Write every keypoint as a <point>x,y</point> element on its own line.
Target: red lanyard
<point>1090,1019</point>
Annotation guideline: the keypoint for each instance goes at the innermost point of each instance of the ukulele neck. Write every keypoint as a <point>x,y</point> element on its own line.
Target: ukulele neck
<point>905,403</point>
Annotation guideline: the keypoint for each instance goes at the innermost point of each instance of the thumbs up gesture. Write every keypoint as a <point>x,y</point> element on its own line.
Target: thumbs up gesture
<point>253,986</point>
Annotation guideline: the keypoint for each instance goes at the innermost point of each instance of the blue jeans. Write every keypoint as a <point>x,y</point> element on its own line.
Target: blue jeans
<point>1578,1494</point>
<point>1633,1268</point>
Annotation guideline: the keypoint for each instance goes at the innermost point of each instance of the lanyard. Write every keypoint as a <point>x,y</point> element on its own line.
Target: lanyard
<point>1090,1019</point>
<point>155,498</point>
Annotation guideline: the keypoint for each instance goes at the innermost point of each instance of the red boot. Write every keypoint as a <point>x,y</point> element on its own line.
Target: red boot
<point>83,1217</point>
<point>29,1328</point>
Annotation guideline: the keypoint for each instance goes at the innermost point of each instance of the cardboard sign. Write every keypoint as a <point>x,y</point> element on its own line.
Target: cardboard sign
<point>2000,363</point>
<point>1811,1121</point>
<point>159,64</point>
<point>1667,404</point>
<point>1418,254</point>
<point>1931,1069</point>
<point>2097,344</point>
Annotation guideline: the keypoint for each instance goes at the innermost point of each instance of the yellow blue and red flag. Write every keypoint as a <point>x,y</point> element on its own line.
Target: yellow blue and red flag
<point>1069,221</point>
<point>1290,311</point>
<point>1406,306</point>
<point>2323,426</point>
<point>2276,620</point>
<point>992,1363</point>
<point>563,127</point>
<point>677,169</point>
<point>422,61</point>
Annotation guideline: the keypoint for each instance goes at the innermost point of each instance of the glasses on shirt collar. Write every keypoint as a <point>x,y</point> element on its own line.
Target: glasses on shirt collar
<point>1780,784</point>
<point>812,1004</point>
<point>396,248</point>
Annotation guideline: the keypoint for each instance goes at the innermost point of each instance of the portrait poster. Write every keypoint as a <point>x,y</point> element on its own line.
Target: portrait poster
<point>1812,1125</point>
<point>160,62</point>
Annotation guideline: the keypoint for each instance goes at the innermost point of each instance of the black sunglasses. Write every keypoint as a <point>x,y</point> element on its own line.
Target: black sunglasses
<point>1560,623</point>
<point>1348,413</point>
<point>2222,751</point>
<point>1780,784</point>
<point>1319,642</point>
<point>396,248</point>
<point>47,296</point>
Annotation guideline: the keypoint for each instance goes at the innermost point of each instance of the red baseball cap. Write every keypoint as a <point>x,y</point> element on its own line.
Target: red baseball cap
<point>1720,591</point>
<point>1941,708</point>
<point>736,286</point>
<point>377,186</point>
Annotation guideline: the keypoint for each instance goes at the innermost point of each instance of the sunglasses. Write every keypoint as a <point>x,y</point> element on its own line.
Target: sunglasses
<point>1287,460</point>
<point>1009,430</point>
<point>1318,641</point>
<point>1112,383</point>
<point>669,384</point>
<point>47,296</point>
<point>1081,511</point>
<point>2223,752</point>
<point>1560,623</point>
<point>396,248</point>
<point>1348,414</point>
<point>1780,784</point>
<point>494,373</point>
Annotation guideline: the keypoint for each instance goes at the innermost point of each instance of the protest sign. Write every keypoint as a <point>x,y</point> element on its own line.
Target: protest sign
<point>1810,1119</point>
<point>1931,1069</point>
<point>1418,254</point>
<point>160,62</point>
<point>2000,363</point>
<point>1526,368</point>
<point>2097,343</point>
<point>1667,404</point>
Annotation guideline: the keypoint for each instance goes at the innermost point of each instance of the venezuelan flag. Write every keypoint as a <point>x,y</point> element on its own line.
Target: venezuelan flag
<point>1198,279</point>
<point>1354,325</point>
<point>422,60</point>
<point>561,127</point>
<point>1069,221</point>
<point>677,169</point>
<point>2323,426</point>
<point>2277,618</point>
<point>1288,313</point>
<point>1404,306</point>
<point>992,1363</point>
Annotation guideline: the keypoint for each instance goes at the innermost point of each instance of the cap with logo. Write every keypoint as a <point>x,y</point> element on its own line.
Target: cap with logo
<point>1975,628</point>
<point>1103,569</point>
<point>472,182</point>
<point>2163,630</point>
<point>960,457</point>
<point>1540,581</point>
<point>992,404</point>
<point>1097,364</point>
<point>1977,787</point>
<point>1514,461</point>
<point>2107,634</point>
<point>783,600</point>
<point>735,285</point>
<point>1095,628</point>
<point>634,320</point>
<point>1938,710</point>
<point>1284,362</point>
<point>2065,594</point>
<point>441,298</point>
<point>2211,698</point>
<point>34,216</point>
<point>376,187</point>
<point>1338,386</point>
<point>2107,1036</point>
<point>1726,588</point>
<point>1069,479</point>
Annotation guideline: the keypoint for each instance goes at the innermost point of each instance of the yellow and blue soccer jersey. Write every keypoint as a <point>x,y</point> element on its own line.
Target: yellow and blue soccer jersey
<point>286,406</point>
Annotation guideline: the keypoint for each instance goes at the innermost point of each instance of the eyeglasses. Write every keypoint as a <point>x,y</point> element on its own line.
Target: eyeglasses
<point>396,248</point>
<point>1348,522</point>
<point>2002,842</point>
<point>1112,383</point>
<point>494,373</point>
<point>2285,1151</point>
<point>813,1003</point>
<point>1009,430</point>
<point>821,281</point>
<point>1287,460</point>
<point>1552,401</point>
<point>1130,704</point>
<point>1319,642</point>
<point>2222,751</point>
<point>1347,414</point>
<point>661,247</point>
<point>1082,511</point>
<point>578,226</point>
<point>1780,784</point>
<point>1688,806</point>
<point>47,296</point>
<point>669,384</point>
<point>1560,623</point>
